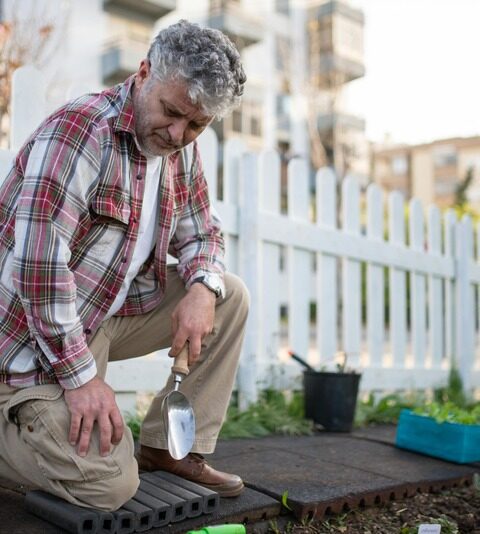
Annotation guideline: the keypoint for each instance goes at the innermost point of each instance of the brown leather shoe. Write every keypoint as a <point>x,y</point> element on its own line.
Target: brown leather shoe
<point>193,467</point>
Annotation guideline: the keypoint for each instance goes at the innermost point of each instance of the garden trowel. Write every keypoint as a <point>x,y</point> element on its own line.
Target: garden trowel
<point>177,412</point>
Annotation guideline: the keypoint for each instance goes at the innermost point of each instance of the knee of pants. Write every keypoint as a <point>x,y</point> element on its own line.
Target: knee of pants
<point>237,294</point>
<point>110,494</point>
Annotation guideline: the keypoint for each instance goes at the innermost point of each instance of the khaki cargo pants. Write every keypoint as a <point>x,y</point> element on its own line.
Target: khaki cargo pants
<point>34,422</point>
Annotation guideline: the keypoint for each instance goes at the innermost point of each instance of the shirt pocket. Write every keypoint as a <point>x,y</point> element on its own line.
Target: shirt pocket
<point>110,217</point>
<point>111,207</point>
<point>43,418</point>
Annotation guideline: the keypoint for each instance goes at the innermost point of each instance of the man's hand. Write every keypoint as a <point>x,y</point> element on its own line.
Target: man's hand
<point>94,401</point>
<point>192,320</point>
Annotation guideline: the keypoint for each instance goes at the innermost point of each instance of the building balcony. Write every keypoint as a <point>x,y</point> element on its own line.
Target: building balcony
<point>122,57</point>
<point>333,70</point>
<point>335,36</point>
<point>149,9</point>
<point>333,121</point>
<point>243,28</point>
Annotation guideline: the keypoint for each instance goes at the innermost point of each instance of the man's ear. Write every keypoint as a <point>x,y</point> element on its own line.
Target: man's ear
<point>142,73</point>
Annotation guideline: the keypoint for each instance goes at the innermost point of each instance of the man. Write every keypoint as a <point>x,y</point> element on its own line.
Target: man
<point>97,197</point>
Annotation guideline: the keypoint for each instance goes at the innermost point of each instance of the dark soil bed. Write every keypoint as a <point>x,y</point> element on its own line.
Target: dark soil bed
<point>458,511</point>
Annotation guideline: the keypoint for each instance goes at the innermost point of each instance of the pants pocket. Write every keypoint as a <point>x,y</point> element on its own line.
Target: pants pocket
<point>44,421</point>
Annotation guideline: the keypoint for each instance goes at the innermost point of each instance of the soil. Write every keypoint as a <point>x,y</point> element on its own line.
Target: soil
<point>458,511</point>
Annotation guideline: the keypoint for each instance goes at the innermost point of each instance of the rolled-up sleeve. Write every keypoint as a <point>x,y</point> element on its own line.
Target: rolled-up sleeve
<point>52,210</point>
<point>197,242</point>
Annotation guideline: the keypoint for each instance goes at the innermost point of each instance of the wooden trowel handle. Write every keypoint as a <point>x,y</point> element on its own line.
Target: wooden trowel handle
<point>180,365</point>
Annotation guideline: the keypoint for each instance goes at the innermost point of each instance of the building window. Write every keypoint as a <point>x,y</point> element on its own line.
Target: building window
<point>399,165</point>
<point>444,156</point>
<point>255,126</point>
<point>237,120</point>
<point>445,186</point>
<point>282,6</point>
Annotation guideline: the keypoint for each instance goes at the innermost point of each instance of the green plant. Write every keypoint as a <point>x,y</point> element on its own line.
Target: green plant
<point>387,409</point>
<point>271,414</point>
<point>285,500</point>
<point>273,527</point>
<point>134,423</point>
<point>450,413</point>
<point>453,391</point>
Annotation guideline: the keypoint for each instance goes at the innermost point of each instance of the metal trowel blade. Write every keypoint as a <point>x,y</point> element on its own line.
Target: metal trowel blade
<point>181,425</point>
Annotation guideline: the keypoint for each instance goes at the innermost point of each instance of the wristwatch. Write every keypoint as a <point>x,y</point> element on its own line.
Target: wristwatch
<point>210,282</point>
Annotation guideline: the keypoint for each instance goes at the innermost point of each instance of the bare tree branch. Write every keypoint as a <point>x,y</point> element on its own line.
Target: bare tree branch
<point>29,34</point>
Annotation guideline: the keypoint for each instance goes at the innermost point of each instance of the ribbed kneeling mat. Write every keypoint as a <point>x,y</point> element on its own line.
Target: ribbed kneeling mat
<point>162,498</point>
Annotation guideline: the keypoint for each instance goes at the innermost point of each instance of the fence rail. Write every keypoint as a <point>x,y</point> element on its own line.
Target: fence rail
<point>402,308</point>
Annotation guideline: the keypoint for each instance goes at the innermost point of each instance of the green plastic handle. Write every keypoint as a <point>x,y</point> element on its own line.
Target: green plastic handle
<point>221,529</point>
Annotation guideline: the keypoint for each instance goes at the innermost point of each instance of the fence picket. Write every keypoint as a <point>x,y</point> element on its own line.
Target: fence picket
<point>449,222</point>
<point>464,299</point>
<point>250,272</point>
<point>327,298</point>
<point>208,147</point>
<point>228,208</point>
<point>28,104</point>
<point>299,261</point>
<point>435,297</point>
<point>397,285</point>
<point>351,275</point>
<point>375,281</point>
<point>269,176</point>
<point>477,301</point>
<point>417,287</point>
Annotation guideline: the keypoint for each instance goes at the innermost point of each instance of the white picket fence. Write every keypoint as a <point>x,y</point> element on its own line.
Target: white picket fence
<point>288,260</point>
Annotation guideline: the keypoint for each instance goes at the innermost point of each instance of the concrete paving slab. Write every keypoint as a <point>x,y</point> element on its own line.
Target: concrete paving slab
<point>331,472</point>
<point>313,485</point>
<point>375,457</point>
<point>382,433</point>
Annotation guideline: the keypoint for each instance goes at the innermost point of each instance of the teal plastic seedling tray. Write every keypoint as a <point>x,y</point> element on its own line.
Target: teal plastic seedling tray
<point>449,441</point>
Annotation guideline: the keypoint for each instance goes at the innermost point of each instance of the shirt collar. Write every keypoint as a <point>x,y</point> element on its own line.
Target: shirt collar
<point>125,121</point>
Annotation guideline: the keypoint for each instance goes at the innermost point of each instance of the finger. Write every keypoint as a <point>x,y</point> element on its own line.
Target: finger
<point>75,423</point>
<point>194,349</point>
<point>85,435</point>
<point>177,344</point>
<point>174,324</point>
<point>117,423</point>
<point>105,429</point>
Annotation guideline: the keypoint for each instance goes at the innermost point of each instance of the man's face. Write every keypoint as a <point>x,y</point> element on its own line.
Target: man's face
<point>165,118</point>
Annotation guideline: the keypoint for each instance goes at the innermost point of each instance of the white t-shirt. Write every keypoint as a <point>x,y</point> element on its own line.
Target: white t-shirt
<point>146,231</point>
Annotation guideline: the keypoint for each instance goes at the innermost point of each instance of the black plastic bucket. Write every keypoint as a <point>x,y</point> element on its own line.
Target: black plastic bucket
<point>330,399</point>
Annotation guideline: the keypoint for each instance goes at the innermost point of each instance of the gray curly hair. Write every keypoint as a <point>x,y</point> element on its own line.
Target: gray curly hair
<point>205,59</point>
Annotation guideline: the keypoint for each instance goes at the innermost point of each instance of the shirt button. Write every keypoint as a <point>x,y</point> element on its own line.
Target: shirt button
<point>133,219</point>
<point>30,428</point>
<point>139,177</point>
<point>87,331</point>
<point>124,259</point>
<point>108,295</point>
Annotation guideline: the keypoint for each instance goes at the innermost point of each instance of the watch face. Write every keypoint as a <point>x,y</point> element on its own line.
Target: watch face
<point>212,287</point>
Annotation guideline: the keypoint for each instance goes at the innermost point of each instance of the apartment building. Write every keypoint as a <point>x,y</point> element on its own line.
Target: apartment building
<point>298,54</point>
<point>432,171</point>
<point>335,58</point>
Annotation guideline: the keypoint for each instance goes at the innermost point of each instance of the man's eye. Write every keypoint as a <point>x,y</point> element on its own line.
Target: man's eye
<point>169,111</point>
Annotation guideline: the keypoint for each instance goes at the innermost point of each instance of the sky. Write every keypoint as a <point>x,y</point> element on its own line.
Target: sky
<point>422,60</point>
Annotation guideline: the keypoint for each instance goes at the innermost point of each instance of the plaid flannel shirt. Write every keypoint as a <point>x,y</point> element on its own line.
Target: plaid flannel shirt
<point>69,213</point>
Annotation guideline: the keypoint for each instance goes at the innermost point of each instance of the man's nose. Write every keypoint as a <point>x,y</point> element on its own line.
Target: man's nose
<point>176,130</point>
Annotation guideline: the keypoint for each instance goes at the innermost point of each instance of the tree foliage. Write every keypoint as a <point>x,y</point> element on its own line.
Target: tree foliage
<point>30,33</point>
